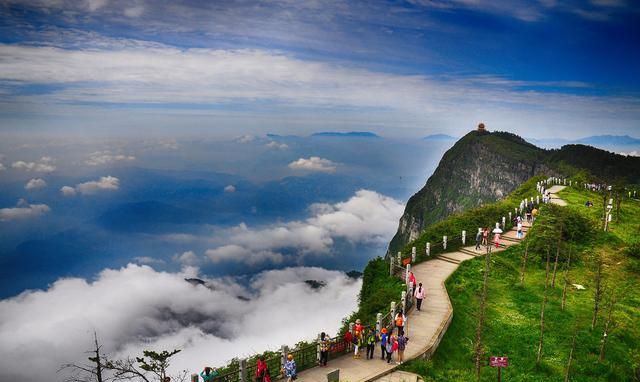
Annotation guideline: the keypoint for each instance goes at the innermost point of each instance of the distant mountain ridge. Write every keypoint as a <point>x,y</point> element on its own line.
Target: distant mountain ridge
<point>483,167</point>
<point>439,137</point>
<point>360,134</point>
<point>594,140</point>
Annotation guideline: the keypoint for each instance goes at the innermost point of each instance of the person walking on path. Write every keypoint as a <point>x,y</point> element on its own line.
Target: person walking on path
<point>412,282</point>
<point>290,368</point>
<point>401,321</point>
<point>496,239</point>
<point>402,345</point>
<point>485,236</point>
<point>389,347</point>
<point>357,344</point>
<point>383,342</point>
<point>419,295</point>
<point>478,238</point>
<point>262,371</point>
<point>371,343</point>
<point>348,339</point>
<point>208,374</point>
<point>519,230</point>
<point>325,345</point>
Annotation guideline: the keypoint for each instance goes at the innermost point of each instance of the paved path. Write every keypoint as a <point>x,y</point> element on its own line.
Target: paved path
<point>424,328</point>
<point>555,199</point>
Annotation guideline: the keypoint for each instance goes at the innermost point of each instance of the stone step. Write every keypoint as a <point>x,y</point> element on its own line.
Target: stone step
<point>472,253</point>
<point>448,260</point>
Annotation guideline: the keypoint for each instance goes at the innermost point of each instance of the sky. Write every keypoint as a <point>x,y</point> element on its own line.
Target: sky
<point>559,69</point>
<point>145,142</point>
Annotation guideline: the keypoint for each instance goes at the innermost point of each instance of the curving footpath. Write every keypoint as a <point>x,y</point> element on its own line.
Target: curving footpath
<point>425,328</point>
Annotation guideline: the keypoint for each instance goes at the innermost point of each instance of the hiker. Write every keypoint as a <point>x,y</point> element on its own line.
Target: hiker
<point>485,236</point>
<point>419,295</point>
<point>389,347</point>
<point>325,345</point>
<point>357,344</point>
<point>357,328</point>
<point>402,344</point>
<point>519,230</point>
<point>412,282</point>
<point>496,239</point>
<point>383,342</point>
<point>478,238</point>
<point>371,343</point>
<point>262,371</point>
<point>208,374</point>
<point>348,338</point>
<point>290,369</point>
<point>400,321</point>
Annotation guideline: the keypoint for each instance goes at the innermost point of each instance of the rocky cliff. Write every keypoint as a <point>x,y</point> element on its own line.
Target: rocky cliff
<point>483,167</point>
<point>480,168</point>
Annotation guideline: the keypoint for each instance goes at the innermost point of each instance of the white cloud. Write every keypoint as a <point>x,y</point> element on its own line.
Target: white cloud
<point>68,191</point>
<point>187,258</point>
<point>137,308</point>
<point>367,217</point>
<point>35,184</point>
<point>45,164</point>
<point>134,12</point>
<point>236,253</point>
<point>2,167</point>
<point>245,138</point>
<point>23,210</point>
<point>277,145</point>
<point>230,188</point>
<point>105,183</point>
<point>633,153</point>
<point>313,164</point>
<point>100,158</point>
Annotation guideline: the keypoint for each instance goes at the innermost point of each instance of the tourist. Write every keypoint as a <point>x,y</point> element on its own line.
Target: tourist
<point>208,374</point>
<point>400,321</point>
<point>357,343</point>
<point>262,371</point>
<point>325,345</point>
<point>478,238</point>
<point>290,368</point>
<point>389,347</point>
<point>496,239</point>
<point>412,282</point>
<point>419,295</point>
<point>371,343</point>
<point>402,344</point>
<point>348,339</point>
<point>383,342</point>
<point>519,230</point>
<point>485,236</point>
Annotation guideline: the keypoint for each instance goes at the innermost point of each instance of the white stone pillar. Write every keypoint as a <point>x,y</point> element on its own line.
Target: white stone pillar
<point>413,254</point>
<point>464,237</point>
<point>391,265</point>
<point>242,363</point>
<point>444,242</point>
<point>428,249</point>
<point>504,222</point>
<point>285,353</point>
<point>378,322</point>
<point>403,299</point>
<point>406,273</point>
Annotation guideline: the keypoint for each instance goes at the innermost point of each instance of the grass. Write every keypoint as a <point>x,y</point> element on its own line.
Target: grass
<point>513,314</point>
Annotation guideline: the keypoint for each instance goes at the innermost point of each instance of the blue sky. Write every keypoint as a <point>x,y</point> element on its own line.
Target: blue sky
<point>396,68</point>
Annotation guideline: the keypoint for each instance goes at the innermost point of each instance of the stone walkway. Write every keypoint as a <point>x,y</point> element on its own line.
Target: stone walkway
<point>425,328</point>
<point>555,199</point>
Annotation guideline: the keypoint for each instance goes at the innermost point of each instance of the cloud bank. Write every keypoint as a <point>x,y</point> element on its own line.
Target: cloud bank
<point>137,308</point>
<point>23,210</point>
<point>35,184</point>
<point>366,217</point>
<point>105,183</point>
<point>101,158</point>
<point>45,164</point>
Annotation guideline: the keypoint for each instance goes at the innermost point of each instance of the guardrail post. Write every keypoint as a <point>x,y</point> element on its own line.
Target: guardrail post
<point>444,242</point>
<point>393,310</point>
<point>318,349</point>
<point>428,249</point>
<point>351,327</point>
<point>378,322</point>
<point>194,378</point>
<point>403,298</point>
<point>515,210</point>
<point>464,237</point>
<point>406,274</point>
<point>538,199</point>
<point>399,259</point>
<point>242,363</point>
<point>504,223</point>
<point>283,359</point>
<point>510,219</point>
<point>413,254</point>
<point>391,259</point>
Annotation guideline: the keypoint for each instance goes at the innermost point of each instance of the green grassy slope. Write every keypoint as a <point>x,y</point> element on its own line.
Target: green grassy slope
<point>513,313</point>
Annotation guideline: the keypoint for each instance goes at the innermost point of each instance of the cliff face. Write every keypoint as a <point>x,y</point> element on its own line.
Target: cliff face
<point>480,168</point>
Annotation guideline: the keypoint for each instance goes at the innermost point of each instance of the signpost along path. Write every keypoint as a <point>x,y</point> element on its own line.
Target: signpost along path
<point>499,362</point>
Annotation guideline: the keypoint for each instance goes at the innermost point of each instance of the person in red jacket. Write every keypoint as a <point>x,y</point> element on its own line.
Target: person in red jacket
<point>262,371</point>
